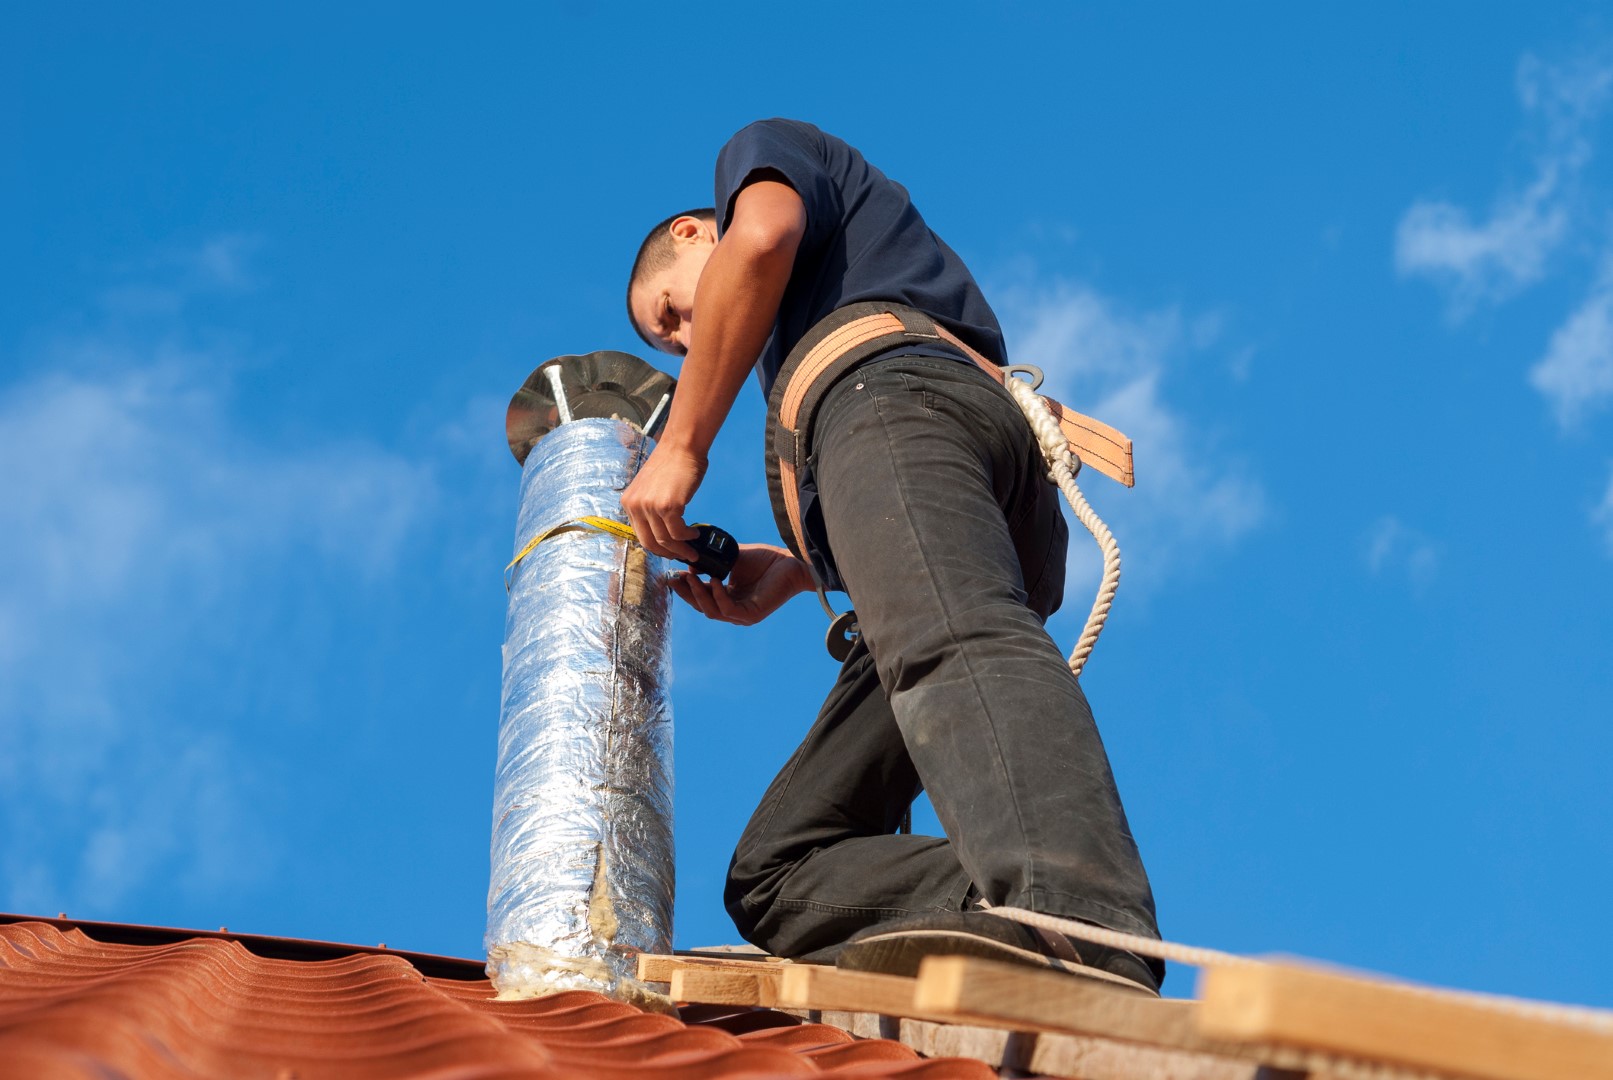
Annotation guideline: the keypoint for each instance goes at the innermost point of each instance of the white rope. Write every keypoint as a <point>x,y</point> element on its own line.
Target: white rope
<point>1117,939</point>
<point>1062,467</point>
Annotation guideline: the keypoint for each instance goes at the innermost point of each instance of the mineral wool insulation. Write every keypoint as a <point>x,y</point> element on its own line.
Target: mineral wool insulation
<point>582,807</point>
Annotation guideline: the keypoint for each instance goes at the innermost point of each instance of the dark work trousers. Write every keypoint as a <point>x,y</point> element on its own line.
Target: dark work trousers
<point>951,542</point>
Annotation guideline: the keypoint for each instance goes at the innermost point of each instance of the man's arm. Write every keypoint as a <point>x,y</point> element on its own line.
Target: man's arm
<point>736,304</point>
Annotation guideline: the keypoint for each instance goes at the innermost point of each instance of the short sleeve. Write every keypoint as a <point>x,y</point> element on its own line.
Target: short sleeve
<point>795,151</point>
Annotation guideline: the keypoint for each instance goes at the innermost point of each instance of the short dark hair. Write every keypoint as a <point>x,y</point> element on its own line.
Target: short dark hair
<point>656,254</point>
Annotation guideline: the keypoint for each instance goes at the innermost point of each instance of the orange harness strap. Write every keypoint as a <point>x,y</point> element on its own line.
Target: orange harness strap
<point>843,340</point>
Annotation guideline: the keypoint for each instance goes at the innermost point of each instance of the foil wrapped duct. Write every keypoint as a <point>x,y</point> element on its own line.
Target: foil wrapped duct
<point>582,867</point>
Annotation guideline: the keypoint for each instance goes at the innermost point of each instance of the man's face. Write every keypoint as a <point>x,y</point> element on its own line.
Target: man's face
<point>663,302</point>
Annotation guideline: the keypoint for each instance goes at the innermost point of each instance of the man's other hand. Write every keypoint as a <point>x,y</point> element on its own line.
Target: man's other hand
<point>761,581</point>
<point>658,496</point>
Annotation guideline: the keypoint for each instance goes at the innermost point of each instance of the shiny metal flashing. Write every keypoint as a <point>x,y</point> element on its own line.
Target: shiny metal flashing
<point>582,867</point>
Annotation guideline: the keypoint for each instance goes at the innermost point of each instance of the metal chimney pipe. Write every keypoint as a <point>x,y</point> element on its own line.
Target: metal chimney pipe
<point>582,850</point>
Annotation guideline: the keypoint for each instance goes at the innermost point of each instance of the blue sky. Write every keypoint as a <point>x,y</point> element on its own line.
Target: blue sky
<point>1346,276</point>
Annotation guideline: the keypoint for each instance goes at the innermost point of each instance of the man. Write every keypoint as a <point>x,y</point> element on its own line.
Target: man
<point>931,507</point>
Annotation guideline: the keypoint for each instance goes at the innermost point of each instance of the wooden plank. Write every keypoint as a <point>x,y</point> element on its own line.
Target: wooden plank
<point>1084,1057</point>
<point>717,987</point>
<point>658,967</point>
<point>962,987</point>
<point>815,986</point>
<point>1364,1017</point>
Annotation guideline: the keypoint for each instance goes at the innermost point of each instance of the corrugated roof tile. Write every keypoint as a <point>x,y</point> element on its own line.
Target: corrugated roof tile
<point>73,1006</point>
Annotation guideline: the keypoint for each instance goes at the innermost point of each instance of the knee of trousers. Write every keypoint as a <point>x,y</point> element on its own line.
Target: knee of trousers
<point>781,928</point>
<point>748,891</point>
<point>751,897</point>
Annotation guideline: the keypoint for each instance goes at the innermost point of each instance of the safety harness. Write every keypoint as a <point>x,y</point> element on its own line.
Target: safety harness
<point>852,334</point>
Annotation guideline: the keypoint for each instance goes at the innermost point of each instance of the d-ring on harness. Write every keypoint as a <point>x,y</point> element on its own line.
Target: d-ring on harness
<point>852,334</point>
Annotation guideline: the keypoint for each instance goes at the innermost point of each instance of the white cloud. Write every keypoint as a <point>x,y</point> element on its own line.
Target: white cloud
<point>1510,250</point>
<point>1487,261</point>
<point>1395,547</point>
<point>1499,256</point>
<point>162,284</point>
<point>130,477</point>
<point>1114,365</point>
<point>143,532</point>
<point>1576,374</point>
<point>221,261</point>
<point>1567,96</point>
<point>1603,515</point>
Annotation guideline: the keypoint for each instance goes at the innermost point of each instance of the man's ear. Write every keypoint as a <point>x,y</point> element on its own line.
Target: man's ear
<point>690,229</point>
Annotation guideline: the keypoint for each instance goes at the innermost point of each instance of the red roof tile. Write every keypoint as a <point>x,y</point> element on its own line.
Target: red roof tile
<point>185,1005</point>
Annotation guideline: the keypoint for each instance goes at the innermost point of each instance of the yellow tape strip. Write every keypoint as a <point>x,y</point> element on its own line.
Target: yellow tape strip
<point>598,524</point>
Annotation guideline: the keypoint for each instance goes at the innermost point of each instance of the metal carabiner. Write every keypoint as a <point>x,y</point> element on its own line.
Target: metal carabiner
<point>1025,369</point>
<point>842,636</point>
<point>843,632</point>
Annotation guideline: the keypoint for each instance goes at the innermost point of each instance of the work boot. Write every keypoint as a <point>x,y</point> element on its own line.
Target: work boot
<point>899,947</point>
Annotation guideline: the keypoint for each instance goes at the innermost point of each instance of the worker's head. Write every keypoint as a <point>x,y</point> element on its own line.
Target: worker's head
<point>660,290</point>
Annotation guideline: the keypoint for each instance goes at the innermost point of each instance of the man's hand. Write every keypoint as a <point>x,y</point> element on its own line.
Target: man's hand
<point>658,496</point>
<point>761,581</point>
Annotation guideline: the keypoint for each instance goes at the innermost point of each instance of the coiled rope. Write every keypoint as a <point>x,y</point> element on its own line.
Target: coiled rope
<point>1062,467</point>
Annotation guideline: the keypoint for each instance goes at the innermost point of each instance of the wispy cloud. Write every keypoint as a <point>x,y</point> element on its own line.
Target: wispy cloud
<point>1494,258</point>
<point>222,261</point>
<point>1603,515</point>
<point>1393,547</point>
<point>1511,249</point>
<point>1115,365</point>
<point>140,533</point>
<point>1486,261</point>
<point>1576,374</point>
<point>163,283</point>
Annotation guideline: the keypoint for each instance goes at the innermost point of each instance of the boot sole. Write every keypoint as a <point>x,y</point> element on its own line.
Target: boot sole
<point>901,952</point>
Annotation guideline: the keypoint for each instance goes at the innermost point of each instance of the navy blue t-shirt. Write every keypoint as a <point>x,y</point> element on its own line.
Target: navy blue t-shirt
<point>864,241</point>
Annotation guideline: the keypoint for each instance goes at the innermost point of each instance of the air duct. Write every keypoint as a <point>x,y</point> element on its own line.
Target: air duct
<point>582,854</point>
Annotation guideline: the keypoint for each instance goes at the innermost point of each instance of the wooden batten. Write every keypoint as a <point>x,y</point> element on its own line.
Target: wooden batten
<point>959,986</point>
<point>808,986</point>
<point>1295,1005</point>
<point>718,987</point>
<point>658,967</point>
